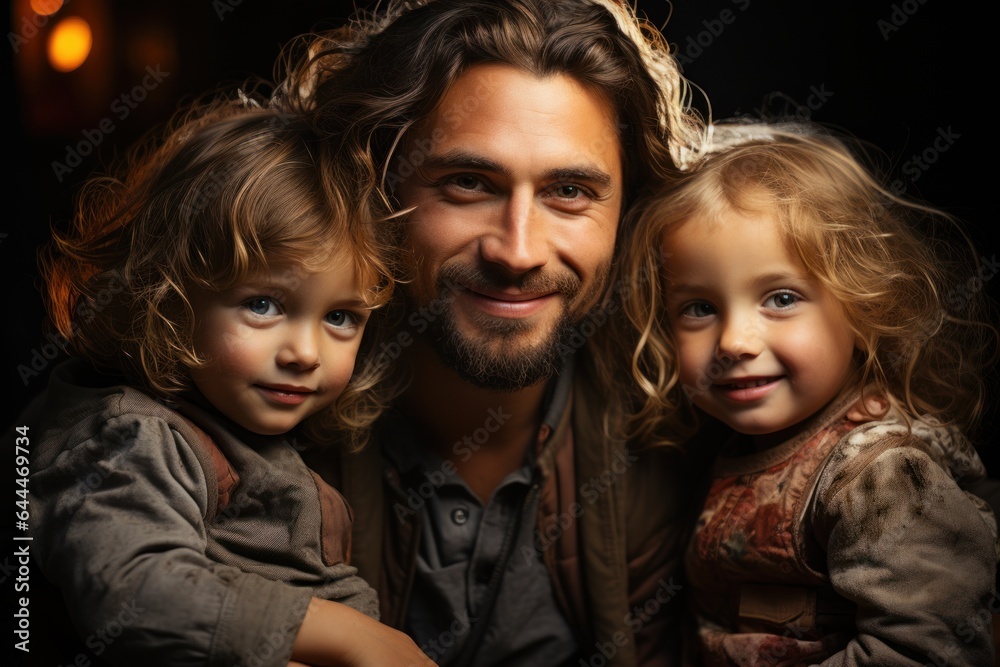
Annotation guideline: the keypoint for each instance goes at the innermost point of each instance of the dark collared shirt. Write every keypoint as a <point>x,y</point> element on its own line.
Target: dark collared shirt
<point>461,544</point>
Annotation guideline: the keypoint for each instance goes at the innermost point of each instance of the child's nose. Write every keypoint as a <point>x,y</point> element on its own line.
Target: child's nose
<point>740,337</point>
<point>300,349</point>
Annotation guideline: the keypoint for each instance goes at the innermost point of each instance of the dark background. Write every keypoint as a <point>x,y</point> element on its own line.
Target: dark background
<point>920,74</point>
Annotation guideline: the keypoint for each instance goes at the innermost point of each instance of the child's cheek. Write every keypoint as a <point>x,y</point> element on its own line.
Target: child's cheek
<point>239,350</point>
<point>695,367</point>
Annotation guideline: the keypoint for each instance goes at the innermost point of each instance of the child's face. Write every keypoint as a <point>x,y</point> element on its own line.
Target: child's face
<point>280,347</point>
<point>761,345</point>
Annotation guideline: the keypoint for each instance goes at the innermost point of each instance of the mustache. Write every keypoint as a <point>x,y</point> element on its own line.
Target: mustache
<point>487,278</point>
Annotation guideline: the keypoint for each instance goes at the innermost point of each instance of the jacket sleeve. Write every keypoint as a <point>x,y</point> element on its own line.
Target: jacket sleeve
<point>118,526</point>
<point>911,549</point>
<point>664,487</point>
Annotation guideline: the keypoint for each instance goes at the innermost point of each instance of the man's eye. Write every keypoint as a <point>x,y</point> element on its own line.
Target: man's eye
<point>261,305</point>
<point>466,182</point>
<point>569,191</point>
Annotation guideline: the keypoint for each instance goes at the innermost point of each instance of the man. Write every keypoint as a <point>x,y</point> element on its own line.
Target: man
<point>498,521</point>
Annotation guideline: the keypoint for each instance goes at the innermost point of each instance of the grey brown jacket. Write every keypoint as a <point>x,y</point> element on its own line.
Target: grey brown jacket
<point>162,562</point>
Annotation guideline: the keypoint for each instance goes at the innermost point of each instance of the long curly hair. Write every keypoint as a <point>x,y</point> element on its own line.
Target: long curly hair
<point>370,81</point>
<point>905,273</point>
<point>226,189</point>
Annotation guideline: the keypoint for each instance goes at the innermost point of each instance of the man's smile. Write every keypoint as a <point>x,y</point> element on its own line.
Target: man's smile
<point>508,303</point>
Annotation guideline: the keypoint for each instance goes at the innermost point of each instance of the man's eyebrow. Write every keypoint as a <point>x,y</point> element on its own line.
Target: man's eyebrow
<point>592,174</point>
<point>459,159</point>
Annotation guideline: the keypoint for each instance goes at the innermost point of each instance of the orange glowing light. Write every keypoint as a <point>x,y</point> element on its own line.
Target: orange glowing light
<point>69,44</point>
<point>46,7</point>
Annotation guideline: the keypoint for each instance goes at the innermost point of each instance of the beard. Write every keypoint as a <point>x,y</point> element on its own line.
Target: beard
<point>499,358</point>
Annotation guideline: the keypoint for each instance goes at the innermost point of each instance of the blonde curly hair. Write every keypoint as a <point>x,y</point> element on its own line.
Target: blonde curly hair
<point>904,272</point>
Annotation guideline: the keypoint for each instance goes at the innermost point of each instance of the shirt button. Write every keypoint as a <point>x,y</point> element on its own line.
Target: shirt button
<point>460,515</point>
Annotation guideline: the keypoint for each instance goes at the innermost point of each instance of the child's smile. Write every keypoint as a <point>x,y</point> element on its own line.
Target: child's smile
<point>281,347</point>
<point>761,344</point>
<point>747,388</point>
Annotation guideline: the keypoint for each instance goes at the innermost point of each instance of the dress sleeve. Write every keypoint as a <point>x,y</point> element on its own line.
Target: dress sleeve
<point>119,528</point>
<point>912,550</point>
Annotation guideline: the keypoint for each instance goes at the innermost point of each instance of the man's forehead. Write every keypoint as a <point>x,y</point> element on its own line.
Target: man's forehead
<point>498,114</point>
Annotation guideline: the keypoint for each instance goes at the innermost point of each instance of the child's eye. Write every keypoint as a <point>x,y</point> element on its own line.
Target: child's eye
<point>698,309</point>
<point>782,300</point>
<point>341,319</point>
<point>261,305</point>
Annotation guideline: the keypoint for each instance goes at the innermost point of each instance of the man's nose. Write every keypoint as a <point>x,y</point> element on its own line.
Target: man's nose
<point>519,241</point>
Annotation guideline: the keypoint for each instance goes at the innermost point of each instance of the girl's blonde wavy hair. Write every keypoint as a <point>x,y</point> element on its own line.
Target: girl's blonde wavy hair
<point>228,189</point>
<point>904,273</point>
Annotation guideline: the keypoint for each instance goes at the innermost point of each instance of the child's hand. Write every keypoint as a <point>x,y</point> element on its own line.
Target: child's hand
<point>378,645</point>
<point>334,634</point>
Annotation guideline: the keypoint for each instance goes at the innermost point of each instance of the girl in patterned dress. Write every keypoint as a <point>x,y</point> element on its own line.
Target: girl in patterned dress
<point>800,307</point>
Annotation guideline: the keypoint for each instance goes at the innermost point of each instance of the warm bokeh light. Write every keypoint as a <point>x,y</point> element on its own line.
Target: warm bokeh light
<point>46,7</point>
<point>69,44</point>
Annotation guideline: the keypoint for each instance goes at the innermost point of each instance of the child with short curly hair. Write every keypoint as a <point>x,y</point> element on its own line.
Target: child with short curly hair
<point>215,297</point>
<point>800,306</point>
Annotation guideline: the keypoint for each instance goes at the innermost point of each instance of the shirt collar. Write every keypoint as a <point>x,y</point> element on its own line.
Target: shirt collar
<point>402,450</point>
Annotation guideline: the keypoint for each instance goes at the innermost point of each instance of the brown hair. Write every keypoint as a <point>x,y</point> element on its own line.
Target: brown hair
<point>226,190</point>
<point>373,79</point>
<point>903,271</point>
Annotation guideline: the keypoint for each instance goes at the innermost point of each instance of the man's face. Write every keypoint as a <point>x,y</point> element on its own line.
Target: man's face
<point>516,187</point>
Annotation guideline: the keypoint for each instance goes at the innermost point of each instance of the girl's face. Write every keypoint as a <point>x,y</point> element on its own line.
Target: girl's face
<point>761,345</point>
<point>280,347</point>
